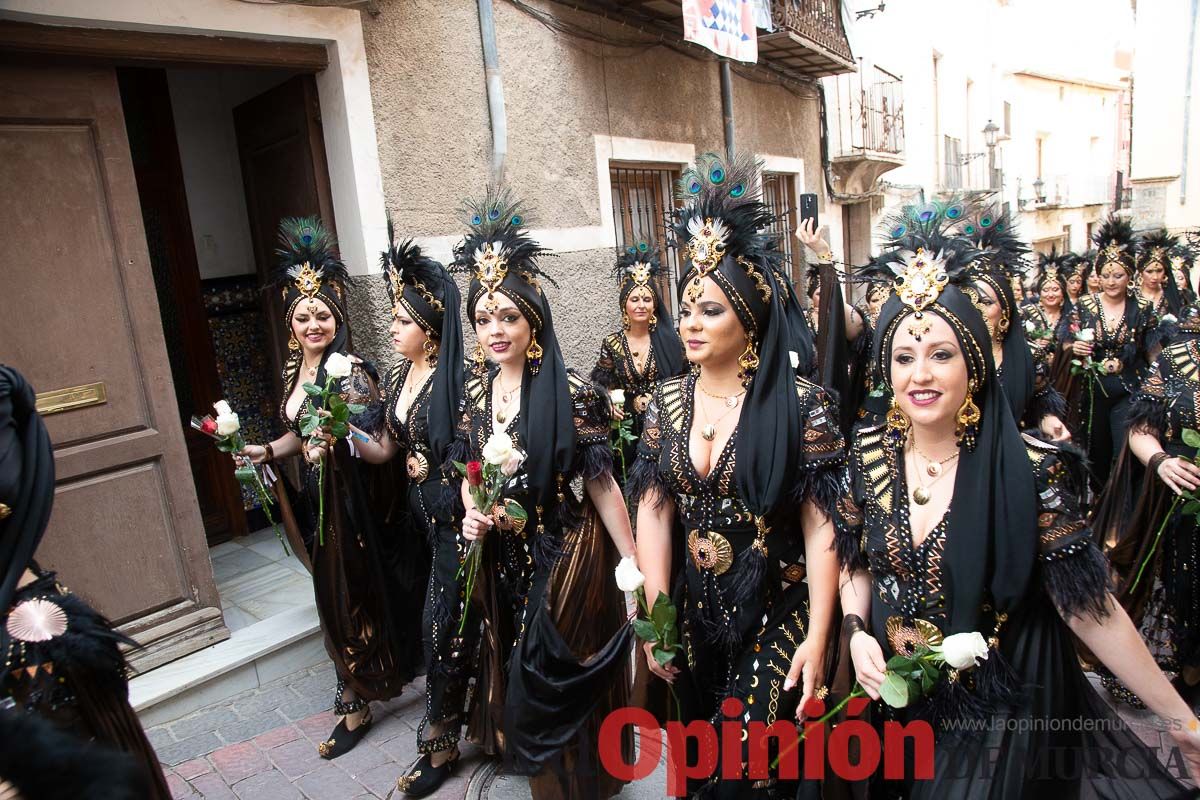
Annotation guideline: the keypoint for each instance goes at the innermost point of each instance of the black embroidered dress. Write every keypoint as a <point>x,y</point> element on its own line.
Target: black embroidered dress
<point>738,639</point>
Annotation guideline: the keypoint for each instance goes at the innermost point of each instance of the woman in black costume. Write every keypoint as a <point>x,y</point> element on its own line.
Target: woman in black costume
<point>646,349</point>
<point>62,660</point>
<point>954,522</point>
<point>1154,545</point>
<point>358,574</point>
<point>415,420</point>
<point>747,456</point>
<point>1123,328</point>
<point>554,654</point>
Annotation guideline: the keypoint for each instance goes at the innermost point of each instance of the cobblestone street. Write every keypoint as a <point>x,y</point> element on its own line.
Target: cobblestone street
<point>262,745</point>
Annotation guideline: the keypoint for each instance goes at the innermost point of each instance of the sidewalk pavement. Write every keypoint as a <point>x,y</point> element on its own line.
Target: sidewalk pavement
<point>262,745</point>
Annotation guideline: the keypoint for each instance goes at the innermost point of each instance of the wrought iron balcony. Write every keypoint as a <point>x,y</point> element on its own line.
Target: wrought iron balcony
<point>809,40</point>
<point>866,110</point>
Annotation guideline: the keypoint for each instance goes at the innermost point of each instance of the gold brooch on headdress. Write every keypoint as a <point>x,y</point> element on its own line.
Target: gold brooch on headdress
<point>705,250</point>
<point>490,268</point>
<point>1112,252</point>
<point>639,273</point>
<point>919,278</point>
<point>307,281</point>
<point>1157,256</point>
<point>1052,273</point>
<point>760,281</point>
<point>1177,262</point>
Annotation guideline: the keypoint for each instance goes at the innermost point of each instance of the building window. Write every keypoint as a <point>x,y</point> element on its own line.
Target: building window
<point>954,165</point>
<point>642,197</point>
<point>1066,239</point>
<point>779,193</point>
<point>1007,119</point>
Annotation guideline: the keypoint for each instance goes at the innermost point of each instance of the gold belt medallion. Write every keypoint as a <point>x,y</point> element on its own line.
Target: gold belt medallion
<point>418,466</point>
<point>905,638</point>
<point>713,553</point>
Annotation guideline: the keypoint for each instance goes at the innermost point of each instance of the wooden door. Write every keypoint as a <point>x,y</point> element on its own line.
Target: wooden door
<point>80,311</point>
<point>282,152</point>
<point>172,251</point>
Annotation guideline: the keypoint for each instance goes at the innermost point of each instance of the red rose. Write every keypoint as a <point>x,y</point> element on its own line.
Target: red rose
<point>474,473</point>
<point>208,425</point>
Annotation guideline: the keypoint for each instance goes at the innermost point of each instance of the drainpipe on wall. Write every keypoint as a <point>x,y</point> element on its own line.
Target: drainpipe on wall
<point>495,90</point>
<point>1187,104</point>
<point>727,104</point>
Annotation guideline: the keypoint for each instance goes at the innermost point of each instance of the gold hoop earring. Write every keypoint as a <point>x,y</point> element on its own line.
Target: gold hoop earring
<point>533,354</point>
<point>480,360</point>
<point>625,323</point>
<point>293,344</point>
<point>1005,322</point>
<point>431,353</point>
<point>897,424</point>
<point>966,421</point>
<point>748,361</point>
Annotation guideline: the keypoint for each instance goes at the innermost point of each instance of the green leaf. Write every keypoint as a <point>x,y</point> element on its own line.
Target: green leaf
<point>663,613</point>
<point>894,690</point>
<point>1191,438</point>
<point>341,413</point>
<point>670,638</point>
<point>663,657</point>
<point>645,630</point>
<point>1191,508</point>
<point>309,388</point>
<point>340,430</point>
<point>461,467</point>
<point>356,408</point>
<point>335,402</point>
<point>899,663</point>
<point>308,425</point>
<point>515,510</point>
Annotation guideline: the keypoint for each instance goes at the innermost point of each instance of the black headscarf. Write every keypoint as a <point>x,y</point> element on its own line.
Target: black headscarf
<point>428,294</point>
<point>992,550</point>
<point>639,268</point>
<point>1016,374</point>
<point>1157,248</point>
<point>310,269</point>
<point>719,232</point>
<point>502,259</point>
<point>26,483</point>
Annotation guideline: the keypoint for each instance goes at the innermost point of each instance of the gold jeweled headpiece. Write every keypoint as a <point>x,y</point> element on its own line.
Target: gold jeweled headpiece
<point>919,281</point>
<point>705,250</point>
<point>491,267</point>
<point>639,273</point>
<point>1157,256</point>
<point>307,281</point>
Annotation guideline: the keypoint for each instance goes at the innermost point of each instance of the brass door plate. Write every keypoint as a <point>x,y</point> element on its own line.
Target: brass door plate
<point>72,398</point>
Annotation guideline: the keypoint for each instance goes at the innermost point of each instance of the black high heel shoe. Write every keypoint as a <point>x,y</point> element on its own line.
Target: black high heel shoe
<point>424,779</point>
<point>343,740</point>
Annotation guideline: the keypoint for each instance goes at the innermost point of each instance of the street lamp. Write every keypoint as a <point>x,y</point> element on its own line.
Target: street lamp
<point>989,137</point>
<point>989,134</point>
<point>1038,185</point>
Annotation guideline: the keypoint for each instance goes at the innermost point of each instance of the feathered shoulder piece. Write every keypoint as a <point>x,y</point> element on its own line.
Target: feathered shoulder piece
<point>308,257</point>
<point>723,213</point>
<point>405,264</point>
<point>497,240</point>
<point>1157,247</point>
<point>994,231</point>
<point>638,263</point>
<point>1115,242</point>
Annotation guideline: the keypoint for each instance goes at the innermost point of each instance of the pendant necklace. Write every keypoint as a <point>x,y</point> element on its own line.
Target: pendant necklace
<point>921,494</point>
<point>709,431</point>
<point>932,466</point>
<point>506,397</point>
<point>730,401</point>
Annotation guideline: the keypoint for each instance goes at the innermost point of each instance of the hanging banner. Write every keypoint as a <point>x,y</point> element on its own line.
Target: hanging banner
<point>725,27</point>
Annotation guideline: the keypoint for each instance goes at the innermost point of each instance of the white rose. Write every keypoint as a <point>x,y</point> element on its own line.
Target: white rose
<point>795,358</point>
<point>629,577</point>
<point>499,449</point>
<point>338,366</point>
<point>1170,318</point>
<point>514,462</point>
<point>1086,335</point>
<point>1029,326</point>
<point>617,396</point>
<point>222,407</point>
<point>227,424</point>
<point>963,650</point>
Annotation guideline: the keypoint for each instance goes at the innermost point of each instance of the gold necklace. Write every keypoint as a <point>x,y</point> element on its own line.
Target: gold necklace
<point>730,401</point>
<point>506,394</point>
<point>933,466</point>
<point>312,371</point>
<point>921,494</point>
<point>507,399</point>
<point>709,431</point>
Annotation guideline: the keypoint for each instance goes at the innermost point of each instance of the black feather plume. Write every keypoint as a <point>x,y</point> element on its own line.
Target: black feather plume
<point>306,240</point>
<point>499,219</point>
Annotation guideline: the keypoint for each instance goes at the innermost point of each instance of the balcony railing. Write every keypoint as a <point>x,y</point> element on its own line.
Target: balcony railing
<point>1068,191</point>
<point>973,172</point>
<point>819,21</point>
<point>870,116</point>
